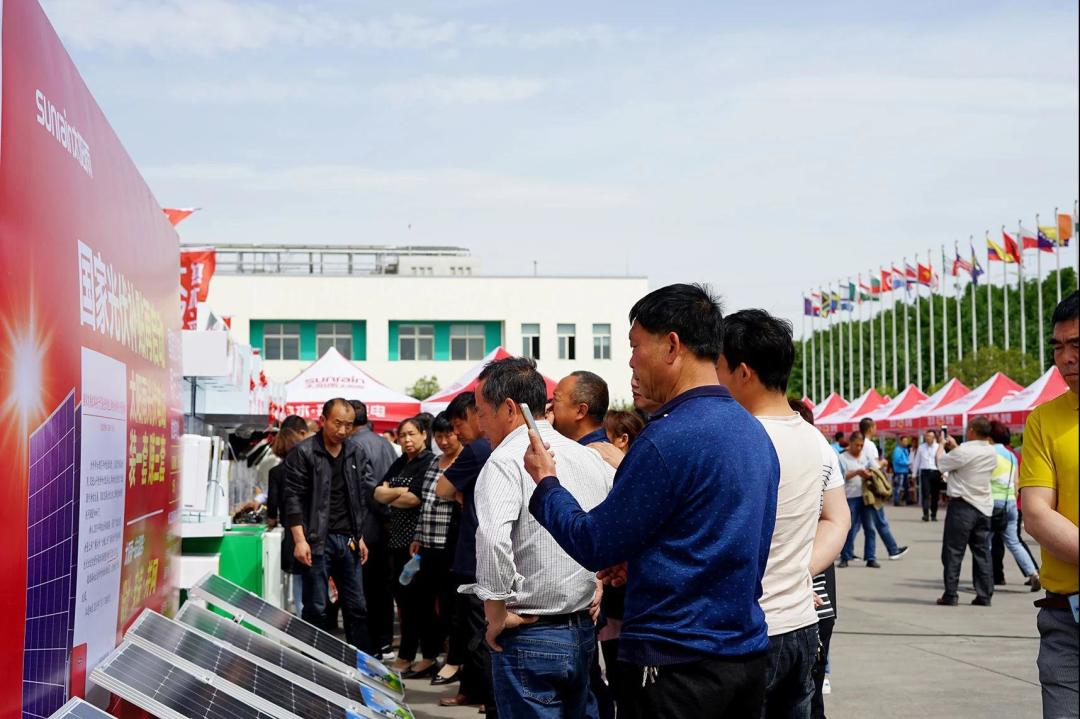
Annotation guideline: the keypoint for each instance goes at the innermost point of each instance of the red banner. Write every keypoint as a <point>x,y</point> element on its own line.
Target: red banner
<point>196,269</point>
<point>89,378</point>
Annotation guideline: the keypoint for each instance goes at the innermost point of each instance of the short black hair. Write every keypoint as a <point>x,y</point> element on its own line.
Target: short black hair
<point>1067,310</point>
<point>838,436</point>
<point>865,424</point>
<point>591,390</point>
<point>441,425</point>
<point>690,311</point>
<point>514,378</point>
<point>459,406</point>
<point>328,407</point>
<point>426,418</point>
<point>293,423</point>
<point>980,426</point>
<point>763,343</point>
<point>361,412</point>
<point>1000,433</point>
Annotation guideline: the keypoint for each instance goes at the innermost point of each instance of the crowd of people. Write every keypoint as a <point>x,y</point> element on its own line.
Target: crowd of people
<point>690,541</point>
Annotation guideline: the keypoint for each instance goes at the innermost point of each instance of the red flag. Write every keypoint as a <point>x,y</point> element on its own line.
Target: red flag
<point>178,215</point>
<point>1012,249</point>
<point>196,269</point>
<point>926,276</point>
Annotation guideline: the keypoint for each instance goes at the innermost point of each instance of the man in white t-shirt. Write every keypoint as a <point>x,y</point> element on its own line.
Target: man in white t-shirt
<point>811,517</point>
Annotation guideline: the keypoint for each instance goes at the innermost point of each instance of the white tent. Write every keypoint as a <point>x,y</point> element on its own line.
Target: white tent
<point>333,376</point>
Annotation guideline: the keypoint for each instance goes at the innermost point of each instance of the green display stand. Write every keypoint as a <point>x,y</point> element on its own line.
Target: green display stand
<point>241,554</point>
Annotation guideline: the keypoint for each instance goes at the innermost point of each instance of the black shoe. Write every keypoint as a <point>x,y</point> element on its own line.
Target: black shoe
<point>842,564</point>
<point>424,673</point>
<point>934,518</point>
<point>980,602</point>
<point>900,551</point>
<point>873,564</point>
<point>946,601</point>
<point>999,582</point>
<point>1034,583</point>
<point>439,680</point>
<point>925,518</point>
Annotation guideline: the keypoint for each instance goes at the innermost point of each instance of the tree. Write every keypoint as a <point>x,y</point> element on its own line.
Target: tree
<point>976,368</point>
<point>423,388</point>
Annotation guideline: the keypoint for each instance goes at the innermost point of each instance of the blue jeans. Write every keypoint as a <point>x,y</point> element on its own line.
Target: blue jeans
<point>873,521</point>
<point>543,670</point>
<point>790,687</point>
<point>900,486</point>
<point>340,563</point>
<point>1011,537</point>
<point>298,593</point>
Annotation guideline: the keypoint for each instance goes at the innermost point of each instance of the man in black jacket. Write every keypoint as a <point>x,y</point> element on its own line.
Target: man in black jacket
<point>328,482</point>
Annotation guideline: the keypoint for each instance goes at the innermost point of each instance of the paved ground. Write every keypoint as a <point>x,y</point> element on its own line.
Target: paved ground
<point>896,654</point>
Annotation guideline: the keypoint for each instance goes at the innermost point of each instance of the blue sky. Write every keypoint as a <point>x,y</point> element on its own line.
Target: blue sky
<point>762,149</point>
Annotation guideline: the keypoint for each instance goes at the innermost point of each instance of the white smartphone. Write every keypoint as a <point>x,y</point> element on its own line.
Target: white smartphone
<point>529,420</point>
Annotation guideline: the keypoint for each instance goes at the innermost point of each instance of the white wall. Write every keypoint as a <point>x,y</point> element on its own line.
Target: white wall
<point>377,299</point>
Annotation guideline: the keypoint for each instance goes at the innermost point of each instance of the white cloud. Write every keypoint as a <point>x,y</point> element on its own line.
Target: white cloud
<point>462,90</point>
<point>445,188</point>
<point>210,27</point>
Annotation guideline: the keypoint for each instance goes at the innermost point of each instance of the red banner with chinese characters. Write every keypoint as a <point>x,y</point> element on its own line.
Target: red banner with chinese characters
<point>89,378</point>
<point>196,269</point>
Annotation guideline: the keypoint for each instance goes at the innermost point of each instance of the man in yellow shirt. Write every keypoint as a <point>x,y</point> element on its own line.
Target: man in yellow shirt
<point>1048,483</point>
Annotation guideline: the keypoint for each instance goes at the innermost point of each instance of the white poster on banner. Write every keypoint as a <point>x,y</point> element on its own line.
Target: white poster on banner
<point>101,504</point>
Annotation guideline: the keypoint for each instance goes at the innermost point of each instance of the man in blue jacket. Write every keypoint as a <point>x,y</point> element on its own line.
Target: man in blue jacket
<point>691,514</point>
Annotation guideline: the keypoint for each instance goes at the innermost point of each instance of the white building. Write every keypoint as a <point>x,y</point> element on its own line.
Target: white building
<point>411,312</point>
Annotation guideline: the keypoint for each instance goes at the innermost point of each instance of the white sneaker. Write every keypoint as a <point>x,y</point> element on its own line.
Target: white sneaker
<point>826,686</point>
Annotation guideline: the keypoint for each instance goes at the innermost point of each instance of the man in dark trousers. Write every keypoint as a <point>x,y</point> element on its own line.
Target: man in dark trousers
<point>459,483</point>
<point>377,569</point>
<point>328,480</point>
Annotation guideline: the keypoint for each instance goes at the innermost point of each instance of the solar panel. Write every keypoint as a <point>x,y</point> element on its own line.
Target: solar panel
<point>78,709</point>
<point>50,550</point>
<point>261,682</point>
<point>245,606</point>
<point>168,691</point>
<point>307,672</point>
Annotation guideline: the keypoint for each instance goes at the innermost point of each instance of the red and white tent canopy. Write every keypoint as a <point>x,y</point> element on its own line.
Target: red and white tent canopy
<point>909,398</point>
<point>847,419</point>
<point>1014,411</point>
<point>467,383</point>
<point>334,376</point>
<point>808,402</point>
<point>955,414</point>
<point>829,405</point>
<point>914,418</point>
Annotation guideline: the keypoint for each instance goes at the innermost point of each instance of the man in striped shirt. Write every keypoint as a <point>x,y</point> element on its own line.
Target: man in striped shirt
<point>537,599</point>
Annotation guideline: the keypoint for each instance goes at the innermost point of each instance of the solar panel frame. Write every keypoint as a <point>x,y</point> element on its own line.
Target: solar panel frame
<point>295,632</point>
<point>77,708</point>
<point>110,674</point>
<point>296,666</point>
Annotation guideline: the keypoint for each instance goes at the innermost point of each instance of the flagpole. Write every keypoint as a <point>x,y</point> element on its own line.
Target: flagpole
<point>957,297</point>
<point>1020,280</point>
<point>989,298</point>
<point>1057,256</point>
<point>862,372</point>
<point>1005,287</point>
<point>892,292</point>
<point>918,324</point>
<point>821,353</point>
<point>881,319</point>
<point>873,354</point>
<point>974,287</point>
<point>850,342</point>
<point>907,340</point>
<point>805,387</point>
<point>832,341</point>
<point>944,321</point>
<point>930,286</point>
<point>1039,299</point>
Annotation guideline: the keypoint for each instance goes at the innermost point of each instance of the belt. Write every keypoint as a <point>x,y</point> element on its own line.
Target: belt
<point>1054,601</point>
<point>571,618</point>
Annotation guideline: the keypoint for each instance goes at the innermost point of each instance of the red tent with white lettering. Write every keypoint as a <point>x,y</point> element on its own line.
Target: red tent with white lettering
<point>906,400</point>
<point>829,405</point>
<point>1014,411</point>
<point>333,376</point>
<point>847,419</point>
<point>467,383</point>
<point>955,414</point>
<point>913,419</point>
